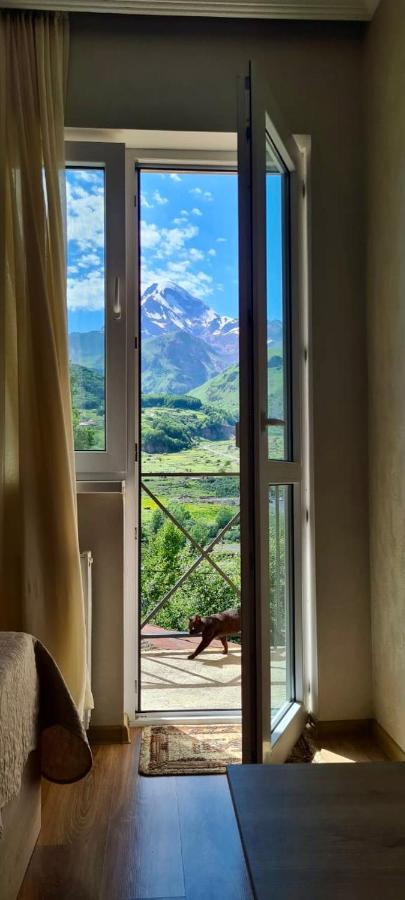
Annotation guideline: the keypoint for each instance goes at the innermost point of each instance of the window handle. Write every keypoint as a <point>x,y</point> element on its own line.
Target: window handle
<point>265,421</point>
<point>275,422</point>
<point>117,298</point>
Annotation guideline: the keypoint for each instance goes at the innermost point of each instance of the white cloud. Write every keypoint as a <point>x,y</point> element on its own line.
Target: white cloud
<point>195,254</point>
<point>90,259</point>
<point>204,277</point>
<point>161,201</point>
<point>198,192</point>
<point>86,293</point>
<point>212,252</point>
<point>221,240</point>
<point>175,177</point>
<point>197,283</point>
<point>174,238</point>
<point>196,212</point>
<point>145,202</point>
<point>150,236</point>
<point>180,220</point>
<point>184,212</point>
<point>85,216</point>
<point>86,175</point>
<point>166,241</point>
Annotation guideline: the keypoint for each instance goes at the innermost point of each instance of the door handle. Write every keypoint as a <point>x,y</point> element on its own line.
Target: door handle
<point>270,421</point>
<point>117,298</point>
<point>274,422</point>
<point>265,423</point>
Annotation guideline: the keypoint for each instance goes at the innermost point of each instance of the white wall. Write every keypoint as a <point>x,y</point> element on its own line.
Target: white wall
<point>385,94</point>
<point>101,530</point>
<point>136,72</point>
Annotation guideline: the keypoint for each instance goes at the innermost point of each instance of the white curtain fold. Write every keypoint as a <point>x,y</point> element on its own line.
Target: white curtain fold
<point>40,579</point>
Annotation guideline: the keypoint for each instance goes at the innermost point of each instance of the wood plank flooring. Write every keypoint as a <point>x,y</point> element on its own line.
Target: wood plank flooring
<point>349,748</point>
<point>119,836</point>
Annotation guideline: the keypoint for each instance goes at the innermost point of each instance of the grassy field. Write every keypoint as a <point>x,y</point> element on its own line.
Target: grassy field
<point>207,456</point>
<point>203,499</point>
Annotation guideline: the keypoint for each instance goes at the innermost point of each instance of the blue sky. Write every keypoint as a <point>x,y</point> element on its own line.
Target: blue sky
<point>85,249</point>
<point>189,234</point>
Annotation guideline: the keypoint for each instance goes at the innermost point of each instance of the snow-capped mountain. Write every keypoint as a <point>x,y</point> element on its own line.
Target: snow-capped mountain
<point>166,308</point>
<point>185,343</point>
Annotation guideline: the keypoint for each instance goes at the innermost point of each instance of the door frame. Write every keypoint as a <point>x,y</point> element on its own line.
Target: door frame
<point>290,725</point>
<point>137,160</point>
<point>258,472</point>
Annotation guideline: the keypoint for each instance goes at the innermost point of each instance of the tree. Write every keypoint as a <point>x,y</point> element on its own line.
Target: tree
<point>84,436</point>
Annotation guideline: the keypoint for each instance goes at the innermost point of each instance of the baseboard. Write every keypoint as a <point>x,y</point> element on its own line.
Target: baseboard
<point>387,743</point>
<point>342,726</point>
<point>110,734</point>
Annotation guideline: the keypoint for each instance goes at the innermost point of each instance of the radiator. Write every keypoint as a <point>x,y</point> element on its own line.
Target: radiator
<point>86,561</point>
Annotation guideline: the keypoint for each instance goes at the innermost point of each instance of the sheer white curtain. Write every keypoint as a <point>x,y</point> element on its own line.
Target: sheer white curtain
<point>40,581</point>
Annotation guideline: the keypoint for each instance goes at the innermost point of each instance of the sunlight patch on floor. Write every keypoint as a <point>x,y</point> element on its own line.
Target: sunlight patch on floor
<point>171,681</point>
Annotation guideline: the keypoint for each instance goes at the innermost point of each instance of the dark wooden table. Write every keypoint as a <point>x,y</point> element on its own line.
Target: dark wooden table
<point>322,832</point>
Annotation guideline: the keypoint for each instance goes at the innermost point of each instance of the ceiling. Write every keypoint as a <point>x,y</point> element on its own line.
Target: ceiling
<point>361,10</point>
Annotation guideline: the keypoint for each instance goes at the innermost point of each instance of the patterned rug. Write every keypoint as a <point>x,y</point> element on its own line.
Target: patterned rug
<point>201,749</point>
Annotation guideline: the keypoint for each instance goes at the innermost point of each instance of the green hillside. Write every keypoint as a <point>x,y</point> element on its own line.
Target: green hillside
<point>87,388</point>
<point>177,362</point>
<point>223,390</point>
<point>88,407</point>
<point>87,349</point>
<point>168,428</point>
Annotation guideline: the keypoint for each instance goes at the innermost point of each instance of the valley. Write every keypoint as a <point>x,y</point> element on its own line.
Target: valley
<point>189,459</point>
<point>190,352</point>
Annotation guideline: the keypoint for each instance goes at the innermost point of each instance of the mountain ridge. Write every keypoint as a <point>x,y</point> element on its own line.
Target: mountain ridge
<point>184,340</point>
<point>166,308</point>
<point>177,362</point>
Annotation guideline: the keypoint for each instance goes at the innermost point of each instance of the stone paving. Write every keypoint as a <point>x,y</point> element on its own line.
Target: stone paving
<point>212,681</point>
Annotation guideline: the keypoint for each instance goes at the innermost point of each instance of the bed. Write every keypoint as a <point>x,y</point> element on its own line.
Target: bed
<point>40,735</point>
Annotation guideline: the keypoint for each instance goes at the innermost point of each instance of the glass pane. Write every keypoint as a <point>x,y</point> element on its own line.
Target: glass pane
<point>277,406</point>
<point>85,191</point>
<point>178,514</point>
<point>189,458</point>
<point>189,322</point>
<point>280,556</point>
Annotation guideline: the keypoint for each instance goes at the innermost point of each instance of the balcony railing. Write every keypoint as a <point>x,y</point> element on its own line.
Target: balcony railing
<point>204,553</point>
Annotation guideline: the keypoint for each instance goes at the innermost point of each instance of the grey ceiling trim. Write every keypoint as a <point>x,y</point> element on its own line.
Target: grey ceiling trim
<point>344,10</point>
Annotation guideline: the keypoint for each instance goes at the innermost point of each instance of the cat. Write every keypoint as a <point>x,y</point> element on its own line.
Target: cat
<point>219,625</point>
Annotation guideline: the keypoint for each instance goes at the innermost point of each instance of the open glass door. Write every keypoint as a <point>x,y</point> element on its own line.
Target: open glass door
<point>269,432</point>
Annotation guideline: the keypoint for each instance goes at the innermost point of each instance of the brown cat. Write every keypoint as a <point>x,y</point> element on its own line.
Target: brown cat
<point>220,625</point>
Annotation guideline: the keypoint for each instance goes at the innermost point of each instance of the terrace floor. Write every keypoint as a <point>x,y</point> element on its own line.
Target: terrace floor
<point>212,681</point>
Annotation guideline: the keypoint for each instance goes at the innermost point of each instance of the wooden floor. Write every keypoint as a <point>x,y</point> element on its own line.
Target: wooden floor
<point>119,836</point>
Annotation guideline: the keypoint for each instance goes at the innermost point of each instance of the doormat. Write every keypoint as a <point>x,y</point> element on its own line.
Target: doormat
<point>201,749</point>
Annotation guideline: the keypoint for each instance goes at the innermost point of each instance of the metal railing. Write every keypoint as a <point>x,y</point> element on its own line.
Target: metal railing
<point>205,555</point>
<point>204,552</point>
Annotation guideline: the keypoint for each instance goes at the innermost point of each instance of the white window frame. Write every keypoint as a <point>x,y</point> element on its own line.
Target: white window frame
<point>119,460</point>
<point>111,462</point>
<point>261,736</point>
<point>136,160</point>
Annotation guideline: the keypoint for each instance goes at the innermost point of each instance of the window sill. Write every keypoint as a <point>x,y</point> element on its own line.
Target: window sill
<point>100,487</point>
